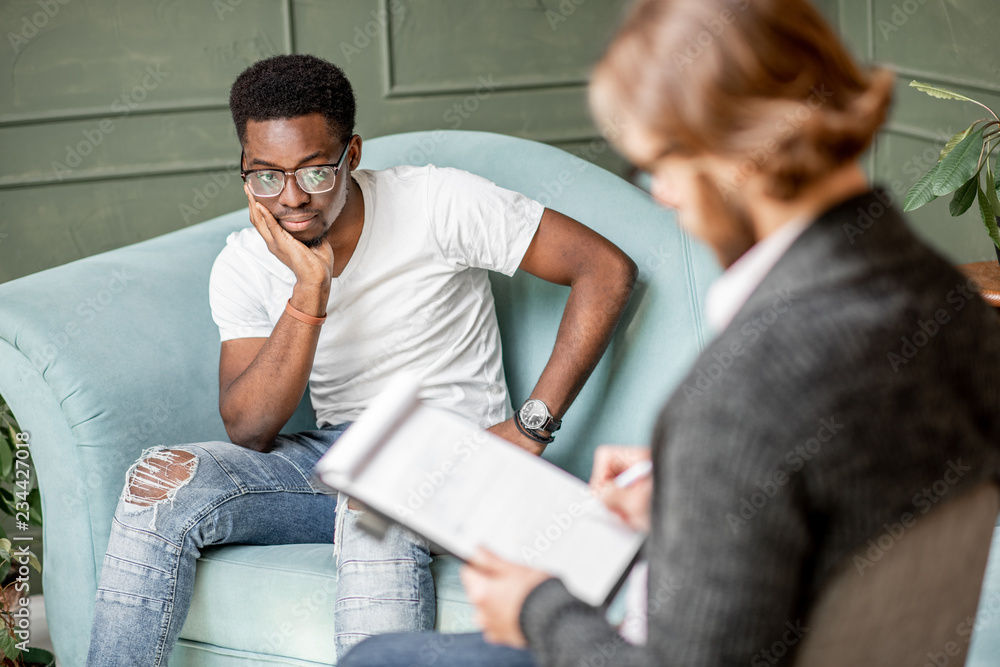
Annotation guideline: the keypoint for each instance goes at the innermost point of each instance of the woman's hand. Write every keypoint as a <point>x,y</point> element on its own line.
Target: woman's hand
<point>498,589</point>
<point>631,503</point>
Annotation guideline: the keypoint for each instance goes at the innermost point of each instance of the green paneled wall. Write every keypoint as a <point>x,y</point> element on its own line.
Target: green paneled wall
<point>114,126</point>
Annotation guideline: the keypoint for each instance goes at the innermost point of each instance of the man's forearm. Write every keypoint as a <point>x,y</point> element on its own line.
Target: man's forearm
<point>261,400</point>
<point>594,307</point>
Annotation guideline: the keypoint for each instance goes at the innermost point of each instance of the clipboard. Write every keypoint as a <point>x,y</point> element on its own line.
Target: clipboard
<point>461,487</point>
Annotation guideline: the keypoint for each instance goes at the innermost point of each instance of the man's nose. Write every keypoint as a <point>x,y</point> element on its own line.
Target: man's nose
<point>292,196</point>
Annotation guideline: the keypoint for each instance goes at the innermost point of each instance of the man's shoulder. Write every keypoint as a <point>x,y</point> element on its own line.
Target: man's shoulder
<point>401,176</point>
<point>393,186</point>
<point>390,176</point>
<point>412,187</point>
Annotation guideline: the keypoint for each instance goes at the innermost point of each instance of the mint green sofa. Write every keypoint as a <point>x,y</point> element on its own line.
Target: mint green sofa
<point>108,355</point>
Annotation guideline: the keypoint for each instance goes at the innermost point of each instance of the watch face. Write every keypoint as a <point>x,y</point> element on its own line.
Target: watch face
<point>534,414</point>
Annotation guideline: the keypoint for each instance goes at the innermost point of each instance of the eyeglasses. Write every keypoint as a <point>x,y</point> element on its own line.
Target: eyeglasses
<point>313,179</point>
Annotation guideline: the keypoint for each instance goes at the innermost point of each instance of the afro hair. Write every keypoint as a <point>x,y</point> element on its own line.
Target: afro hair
<point>289,86</point>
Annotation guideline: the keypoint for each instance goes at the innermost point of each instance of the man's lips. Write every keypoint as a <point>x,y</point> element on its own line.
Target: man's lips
<point>296,223</point>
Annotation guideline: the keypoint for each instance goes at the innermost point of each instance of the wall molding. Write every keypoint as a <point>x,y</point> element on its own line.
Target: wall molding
<point>913,132</point>
<point>122,173</point>
<point>393,90</point>
<point>288,15</point>
<point>405,91</point>
<point>100,113</point>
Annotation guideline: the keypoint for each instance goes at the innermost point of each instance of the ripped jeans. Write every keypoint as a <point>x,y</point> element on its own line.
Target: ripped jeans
<point>178,500</point>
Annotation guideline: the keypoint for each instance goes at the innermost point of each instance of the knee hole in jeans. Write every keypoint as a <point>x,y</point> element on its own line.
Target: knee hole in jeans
<point>158,475</point>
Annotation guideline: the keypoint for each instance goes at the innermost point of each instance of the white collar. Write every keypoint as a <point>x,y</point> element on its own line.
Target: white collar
<point>731,290</point>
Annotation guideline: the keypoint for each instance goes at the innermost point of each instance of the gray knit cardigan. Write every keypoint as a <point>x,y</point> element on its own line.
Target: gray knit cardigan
<point>855,391</point>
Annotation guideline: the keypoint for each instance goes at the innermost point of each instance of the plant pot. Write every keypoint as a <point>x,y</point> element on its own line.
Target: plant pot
<point>38,657</point>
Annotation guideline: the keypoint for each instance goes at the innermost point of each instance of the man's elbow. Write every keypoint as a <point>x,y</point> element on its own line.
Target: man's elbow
<point>623,274</point>
<point>257,444</point>
<point>242,436</point>
<point>630,273</point>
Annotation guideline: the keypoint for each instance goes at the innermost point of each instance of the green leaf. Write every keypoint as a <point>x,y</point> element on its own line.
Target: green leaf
<point>954,141</point>
<point>995,168</point>
<point>922,191</point>
<point>941,93</point>
<point>6,459</point>
<point>34,562</point>
<point>989,217</point>
<point>991,195</point>
<point>7,502</point>
<point>960,165</point>
<point>8,644</point>
<point>964,197</point>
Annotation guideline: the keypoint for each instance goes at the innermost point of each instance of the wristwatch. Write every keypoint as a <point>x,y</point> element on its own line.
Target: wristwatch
<point>535,416</point>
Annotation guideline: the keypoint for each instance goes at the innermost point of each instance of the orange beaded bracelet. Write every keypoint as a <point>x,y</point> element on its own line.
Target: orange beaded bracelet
<point>302,317</point>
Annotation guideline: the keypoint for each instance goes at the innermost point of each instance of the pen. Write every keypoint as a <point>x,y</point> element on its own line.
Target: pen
<point>635,472</point>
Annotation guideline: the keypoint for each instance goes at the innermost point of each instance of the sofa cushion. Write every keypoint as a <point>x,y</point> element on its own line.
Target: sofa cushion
<point>278,601</point>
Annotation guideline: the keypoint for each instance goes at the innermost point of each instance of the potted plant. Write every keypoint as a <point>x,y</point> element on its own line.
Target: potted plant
<point>963,168</point>
<point>18,496</point>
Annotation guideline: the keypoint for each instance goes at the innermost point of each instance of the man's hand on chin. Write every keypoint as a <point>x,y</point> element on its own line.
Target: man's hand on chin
<point>508,431</point>
<point>311,266</point>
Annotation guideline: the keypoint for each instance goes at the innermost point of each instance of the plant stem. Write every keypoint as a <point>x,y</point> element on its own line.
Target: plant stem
<point>985,107</point>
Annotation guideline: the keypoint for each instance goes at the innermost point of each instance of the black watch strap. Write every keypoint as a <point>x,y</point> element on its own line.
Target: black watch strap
<point>552,425</point>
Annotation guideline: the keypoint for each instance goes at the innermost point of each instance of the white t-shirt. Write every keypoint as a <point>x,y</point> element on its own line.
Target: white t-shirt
<point>415,295</point>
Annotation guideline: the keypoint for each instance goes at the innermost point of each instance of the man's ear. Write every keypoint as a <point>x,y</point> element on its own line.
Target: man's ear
<point>354,152</point>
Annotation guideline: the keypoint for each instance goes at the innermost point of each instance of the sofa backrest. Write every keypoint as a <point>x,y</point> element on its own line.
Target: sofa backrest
<point>114,353</point>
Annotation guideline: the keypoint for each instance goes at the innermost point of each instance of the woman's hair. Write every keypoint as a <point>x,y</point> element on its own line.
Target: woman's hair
<point>764,82</point>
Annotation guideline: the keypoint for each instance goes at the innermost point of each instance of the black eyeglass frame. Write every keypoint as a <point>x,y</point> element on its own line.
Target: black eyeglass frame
<point>295,173</point>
